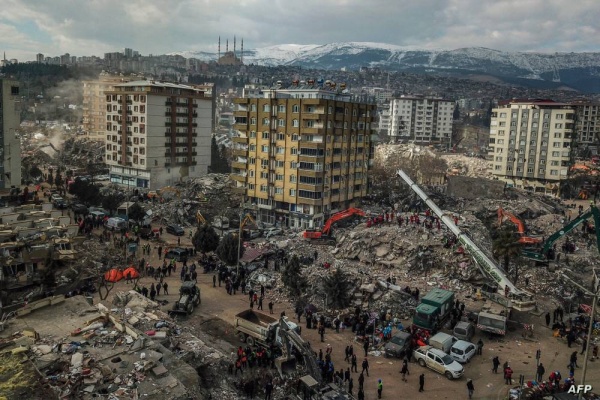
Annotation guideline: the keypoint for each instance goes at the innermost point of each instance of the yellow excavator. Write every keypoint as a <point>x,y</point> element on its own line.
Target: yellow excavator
<point>200,218</point>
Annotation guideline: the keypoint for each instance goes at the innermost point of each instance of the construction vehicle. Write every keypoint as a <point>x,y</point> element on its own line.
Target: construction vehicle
<point>261,329</point>
<point>200,218</point>
<point>507,293</point>
<point>546,251</point>
<point>324,235</point>
<point>295,350</point>
<point>249,227</point>
<point>520,227</point>
<point>434,309</point>
<point>189,297</point>
<point>493,318</point>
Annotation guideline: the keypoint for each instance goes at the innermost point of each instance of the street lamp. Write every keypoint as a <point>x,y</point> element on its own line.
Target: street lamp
<point>590,327</point>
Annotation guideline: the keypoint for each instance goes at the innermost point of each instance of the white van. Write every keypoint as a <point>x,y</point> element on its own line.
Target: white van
<point>115,224</point>
<point>442,341</point>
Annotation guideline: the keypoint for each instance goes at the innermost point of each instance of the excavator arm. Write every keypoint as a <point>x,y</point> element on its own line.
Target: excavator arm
<point>329,223</point>
<point>593,212</point>
<point>200,218</point>
<point>520,226</point>
<point>291,338</point>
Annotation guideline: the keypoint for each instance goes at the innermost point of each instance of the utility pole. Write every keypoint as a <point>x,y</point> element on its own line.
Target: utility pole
<point>590,327</point>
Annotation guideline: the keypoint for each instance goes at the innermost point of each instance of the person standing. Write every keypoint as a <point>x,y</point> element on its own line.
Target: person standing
<point>158,287</point>
<point>403,371</point>
<point>165,287</point>
<point>495,364</point>
<point>270,307</point>
<point>361,382</point>
<point>361,394</point>
<point>366,346</point>
<point>421,382</point>
<point>152,292</point>
<point>268,390</point>
<point>350,386</point>
<point>214,280</point>
<point>548,318</point>
<point>479,347</point>
<point>379,388</point>
<point>354,362</point>
<point>540,372</point>
<point>260,303</point>
<point>470,388</point>
<point>159,252</point>
<point>508,375</point>
<point>365,366</point>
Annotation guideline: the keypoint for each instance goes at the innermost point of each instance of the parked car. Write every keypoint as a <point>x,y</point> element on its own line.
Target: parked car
<point>464,330</point>
<point>79,208</point>
<point>462,351</point>
<point>115,224</point>
<point>59,203</point>
<point>438,361</point>
<point>273,232</point>
<point>55,196</point>
<point>178,254</point>
<point>397,345</point>
<point>175,229</point>
<point>101,178</point>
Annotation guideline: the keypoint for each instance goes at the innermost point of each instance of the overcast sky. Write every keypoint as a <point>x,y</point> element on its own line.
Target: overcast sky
<point>93,27</point>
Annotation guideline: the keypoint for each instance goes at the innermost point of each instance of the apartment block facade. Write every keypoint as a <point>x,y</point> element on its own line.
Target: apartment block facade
<point>587,126</point>
<point>10,145</point>
<point>421,120</point>
<point>302,153</point>
<point>157,133</point>
<point>94,103</point>
<point>530,143</point>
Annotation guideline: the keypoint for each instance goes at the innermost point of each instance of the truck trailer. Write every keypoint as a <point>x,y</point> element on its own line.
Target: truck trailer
<point>261,329</point>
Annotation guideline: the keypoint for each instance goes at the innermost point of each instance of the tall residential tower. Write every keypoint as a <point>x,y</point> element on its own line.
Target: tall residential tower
<point>302,153</point>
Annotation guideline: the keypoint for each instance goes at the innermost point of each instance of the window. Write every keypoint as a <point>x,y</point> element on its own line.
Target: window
<point>530,170</point>
<point>279,177</point>
<point>293,192</point>
<point>295,123</point>
<point>265,121</point>
<point>280,122</point>
<point>554,172</point>
<point>280,136</point>
<point>280,150</point>
<point>263,188</point>
<point>558,126</point>
<point>541,171</point>
<point>556,154</point>
<point>281,108</point>
<point>266,107</point>
<point>295,108</point>
<point>264,175</point>
<point>558,116</point>
<point>293,164</point>
<point>497,167</point>
<point>295,137</point>
<point>253,107</point>
<point>265,135</point>
<point>252,134</point>
<point>555,144</point>
<point>279,164</point>
<point>502,115</point>
<point>252,121</point>
<point>264,148</point>
<point>251,186</point>
<point>554,163</point>
<point>278,190</point>
<point>252,147</point>
<point>294,151</point>
<point>293,178</point>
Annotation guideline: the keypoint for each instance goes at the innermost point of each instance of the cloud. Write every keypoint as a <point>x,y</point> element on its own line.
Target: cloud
<point>160,26</point>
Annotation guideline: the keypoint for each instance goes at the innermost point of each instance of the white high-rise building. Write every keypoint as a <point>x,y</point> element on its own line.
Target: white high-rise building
<point>530,143</point>
<point>421,120</point>
<point>157,133</point>
<point>10,146</point>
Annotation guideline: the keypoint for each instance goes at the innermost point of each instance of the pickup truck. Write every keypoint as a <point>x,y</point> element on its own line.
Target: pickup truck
<point>438,361</point>
<point>261,329</point>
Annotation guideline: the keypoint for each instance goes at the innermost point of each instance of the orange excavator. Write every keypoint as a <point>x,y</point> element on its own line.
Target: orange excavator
<point>324,235</point>
<point>520,226</point>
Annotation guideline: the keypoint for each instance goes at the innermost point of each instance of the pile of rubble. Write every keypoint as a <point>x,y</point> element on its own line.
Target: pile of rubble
<point>210,194</point>
<point>127,351</point>
<point>460,164</point>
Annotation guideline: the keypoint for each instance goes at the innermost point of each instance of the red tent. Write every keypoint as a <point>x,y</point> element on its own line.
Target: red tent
<point>114,275</point>
<point>132,272</point>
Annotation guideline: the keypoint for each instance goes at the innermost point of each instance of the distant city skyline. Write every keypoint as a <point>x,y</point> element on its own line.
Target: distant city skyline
<point>159,26</point>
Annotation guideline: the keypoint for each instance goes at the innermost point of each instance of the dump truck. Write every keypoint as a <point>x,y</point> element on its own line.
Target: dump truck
<point>434,309</point>
<point>261,329</point>
<point>189,297</point>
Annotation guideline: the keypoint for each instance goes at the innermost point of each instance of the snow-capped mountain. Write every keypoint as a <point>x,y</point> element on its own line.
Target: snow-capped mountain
<point>578,70</point>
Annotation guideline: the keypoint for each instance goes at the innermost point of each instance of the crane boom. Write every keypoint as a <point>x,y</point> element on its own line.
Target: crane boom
<point>519,300</point>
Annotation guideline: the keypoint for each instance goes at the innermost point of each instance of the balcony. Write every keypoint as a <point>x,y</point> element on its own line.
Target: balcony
<point>240,152</point>
<point>238,164</point>
<point>239,177</point>
<point>240,139</point>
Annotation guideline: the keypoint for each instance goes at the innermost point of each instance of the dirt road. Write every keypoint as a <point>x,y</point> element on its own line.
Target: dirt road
<point>212,322</point>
